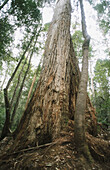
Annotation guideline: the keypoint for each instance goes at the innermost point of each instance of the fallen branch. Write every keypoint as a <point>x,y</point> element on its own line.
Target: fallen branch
<point>33,148</point>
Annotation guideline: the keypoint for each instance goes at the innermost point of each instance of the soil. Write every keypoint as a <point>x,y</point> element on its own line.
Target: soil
<point>57,155</point>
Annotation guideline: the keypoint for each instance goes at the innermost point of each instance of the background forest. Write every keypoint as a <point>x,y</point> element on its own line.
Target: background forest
<point>22,40</point>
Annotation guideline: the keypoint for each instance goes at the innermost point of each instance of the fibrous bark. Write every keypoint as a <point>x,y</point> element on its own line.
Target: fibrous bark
<point>54,100</point>
<point>53,103</point>
<point>50,113</point>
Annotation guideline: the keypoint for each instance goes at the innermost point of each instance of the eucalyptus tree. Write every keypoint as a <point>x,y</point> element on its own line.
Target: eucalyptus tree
<point>56,104</point>
<point>54,101</point>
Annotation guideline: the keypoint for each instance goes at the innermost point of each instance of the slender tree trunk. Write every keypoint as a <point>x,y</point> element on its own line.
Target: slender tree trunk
<point>22,84</point>
<point>5,130</point>
<point>8,121</point>
<point>20,90</point>
<point>80,139</point>
<point>18,82</point>
<point>6,72</point>
<point>4,3</point>
<point>31,88</point>
<point>19,63</point>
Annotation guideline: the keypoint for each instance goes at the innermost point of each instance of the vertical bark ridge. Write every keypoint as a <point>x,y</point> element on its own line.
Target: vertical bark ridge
<point>48,111</point>
<point>54,100</point>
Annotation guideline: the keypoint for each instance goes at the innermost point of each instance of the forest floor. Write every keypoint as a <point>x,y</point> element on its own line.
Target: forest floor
<point>57,155</point>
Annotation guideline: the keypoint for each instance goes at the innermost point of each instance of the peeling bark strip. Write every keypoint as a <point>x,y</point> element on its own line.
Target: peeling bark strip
<point>82,93</point>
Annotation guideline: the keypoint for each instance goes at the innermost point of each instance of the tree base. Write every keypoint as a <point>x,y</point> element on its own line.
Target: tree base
<point>59,154</point>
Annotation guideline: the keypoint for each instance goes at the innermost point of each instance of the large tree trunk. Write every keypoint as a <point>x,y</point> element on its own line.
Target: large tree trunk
<point>53,103</point>
<point>54,100</point>
<point>49,116</point>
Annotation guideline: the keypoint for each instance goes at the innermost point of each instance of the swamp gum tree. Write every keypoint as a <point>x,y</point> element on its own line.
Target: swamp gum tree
<point>54,100</point>
<point>50,112</point>
<point>53,103</point>
<point>52,106</point>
